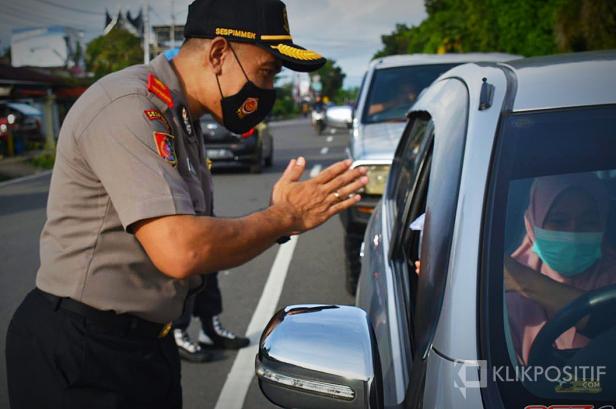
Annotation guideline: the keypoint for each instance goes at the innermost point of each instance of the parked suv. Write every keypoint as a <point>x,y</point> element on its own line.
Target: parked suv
<point>389,88</point>
<point>514,168</point>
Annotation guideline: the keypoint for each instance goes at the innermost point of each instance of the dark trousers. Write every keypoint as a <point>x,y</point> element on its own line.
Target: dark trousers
<point>204,305</point>
<point>57,359</point>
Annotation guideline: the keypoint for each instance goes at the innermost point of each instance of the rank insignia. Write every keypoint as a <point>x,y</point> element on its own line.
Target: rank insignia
<point>249,106</point>
<point>186,122</point>
<point>165,145</point>
<point>158,88</point>
<point>156,115</point>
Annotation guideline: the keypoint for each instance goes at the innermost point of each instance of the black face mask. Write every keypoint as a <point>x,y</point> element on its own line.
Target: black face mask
<point>246,109</point>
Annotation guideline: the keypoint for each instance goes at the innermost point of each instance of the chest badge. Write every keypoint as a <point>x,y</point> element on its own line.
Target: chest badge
<point>156,115</point>
<point>186,122</point>
<point>165,145</point>
<point>249,107</point>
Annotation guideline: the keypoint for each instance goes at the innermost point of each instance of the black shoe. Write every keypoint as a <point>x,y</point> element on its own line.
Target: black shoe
<point>190,351</point>
<point>214,335</point>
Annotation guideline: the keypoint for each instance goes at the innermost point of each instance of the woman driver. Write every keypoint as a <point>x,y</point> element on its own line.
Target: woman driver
<point>565,243</point>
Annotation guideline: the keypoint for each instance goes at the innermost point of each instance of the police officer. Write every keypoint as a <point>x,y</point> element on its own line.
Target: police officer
<point>213,336</point>
<point>129,230</point>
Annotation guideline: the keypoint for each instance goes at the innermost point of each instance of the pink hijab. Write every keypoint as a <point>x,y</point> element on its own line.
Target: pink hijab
<point>527,317</point>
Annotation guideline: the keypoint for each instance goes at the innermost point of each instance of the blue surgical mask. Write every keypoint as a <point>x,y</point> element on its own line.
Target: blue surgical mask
<point>568,253</point>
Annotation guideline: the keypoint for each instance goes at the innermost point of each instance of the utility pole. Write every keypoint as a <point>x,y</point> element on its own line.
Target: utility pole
<point>146,33</point>
<point>172,34</point>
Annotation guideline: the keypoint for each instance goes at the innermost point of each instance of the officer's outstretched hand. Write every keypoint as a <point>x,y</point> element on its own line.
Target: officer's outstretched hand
<point>309,203</point>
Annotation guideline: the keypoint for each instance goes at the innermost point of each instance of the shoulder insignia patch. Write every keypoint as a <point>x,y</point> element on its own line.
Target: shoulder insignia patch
<point>156,115</point>
<point>158,88</point>
<point>165,145</point>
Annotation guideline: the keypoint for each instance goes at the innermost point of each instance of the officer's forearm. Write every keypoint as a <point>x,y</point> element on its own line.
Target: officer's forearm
<point>181,246</point>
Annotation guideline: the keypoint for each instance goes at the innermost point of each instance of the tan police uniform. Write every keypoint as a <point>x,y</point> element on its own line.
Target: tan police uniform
<point>128,151</point>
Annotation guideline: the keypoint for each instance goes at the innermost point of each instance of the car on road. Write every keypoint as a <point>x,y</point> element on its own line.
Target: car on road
<point>25,122</point>
<point>253,149</point>
<point>389,88</point>
<point>513,167</point>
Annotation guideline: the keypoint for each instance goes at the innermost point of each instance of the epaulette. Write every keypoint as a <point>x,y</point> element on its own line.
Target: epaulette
<point>158,88</point>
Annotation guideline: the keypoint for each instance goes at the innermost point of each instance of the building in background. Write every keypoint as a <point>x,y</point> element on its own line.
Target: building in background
<point>166,37</point>
<point>134,25</point>
<point>47,47</point>
<point>162,37</point>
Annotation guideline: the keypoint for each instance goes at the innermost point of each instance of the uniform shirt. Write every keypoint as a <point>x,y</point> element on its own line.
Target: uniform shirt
<point>118,162</point>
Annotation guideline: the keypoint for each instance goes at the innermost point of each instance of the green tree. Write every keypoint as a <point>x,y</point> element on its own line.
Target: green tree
<point>346,95</point>
<point>111,52</point>
<point>586,25</point>
<point>285,105</point>
<point>332,78</point>
<point>525,27</point>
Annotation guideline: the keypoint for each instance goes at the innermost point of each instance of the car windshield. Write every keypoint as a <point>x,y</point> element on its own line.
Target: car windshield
<point>394,90</point>
<point>24,108</point>
<point>554,250</point>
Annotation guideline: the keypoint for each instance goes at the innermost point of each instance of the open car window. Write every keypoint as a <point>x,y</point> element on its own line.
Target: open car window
<point>552,258</point>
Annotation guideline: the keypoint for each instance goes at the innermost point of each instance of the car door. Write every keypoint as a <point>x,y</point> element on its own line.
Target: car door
<point>434,194</point>
<point>383,289</point>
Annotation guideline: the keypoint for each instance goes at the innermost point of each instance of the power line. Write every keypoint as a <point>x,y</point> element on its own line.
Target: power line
<point>34,19</point>
<point>74,9</point>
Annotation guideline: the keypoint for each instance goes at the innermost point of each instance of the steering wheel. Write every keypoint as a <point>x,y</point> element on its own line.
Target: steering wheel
<point>542,353</point>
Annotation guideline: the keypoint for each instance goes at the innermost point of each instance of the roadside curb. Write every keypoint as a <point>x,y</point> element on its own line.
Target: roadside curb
<point>24,178</point>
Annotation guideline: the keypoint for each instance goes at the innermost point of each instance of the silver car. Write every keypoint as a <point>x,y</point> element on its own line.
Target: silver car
<point>507,175</point>
<point>389,88</point>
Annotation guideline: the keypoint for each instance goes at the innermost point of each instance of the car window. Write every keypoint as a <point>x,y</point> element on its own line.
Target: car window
<point>394,90</point>
<point>406,162</point>
<point>405,251</point>
<point>551,269</point>
<point>408,159</point>
<point>450,117</point>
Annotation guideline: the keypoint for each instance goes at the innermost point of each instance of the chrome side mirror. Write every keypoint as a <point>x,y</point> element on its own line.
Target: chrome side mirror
<point>320,357</point>
<point>340,117</point>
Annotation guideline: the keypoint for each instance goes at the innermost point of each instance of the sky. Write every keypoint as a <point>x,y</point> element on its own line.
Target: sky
<point>348,31</point>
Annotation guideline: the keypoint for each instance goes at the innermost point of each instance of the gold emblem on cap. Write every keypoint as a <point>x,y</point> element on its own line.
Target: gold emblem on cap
<point>297,53</point>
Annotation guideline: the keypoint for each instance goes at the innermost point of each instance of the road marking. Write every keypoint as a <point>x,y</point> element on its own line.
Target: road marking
<point>316,169</point>
<point>238,381</point>
<point>25,178</point>
<point>324,150</point>
<point>330,139</point>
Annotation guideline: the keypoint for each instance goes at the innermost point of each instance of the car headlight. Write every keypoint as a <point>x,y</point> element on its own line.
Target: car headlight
<point>377,179</point>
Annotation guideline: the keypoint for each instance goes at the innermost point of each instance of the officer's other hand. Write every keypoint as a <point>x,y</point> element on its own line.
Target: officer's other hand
<point>307,204</point>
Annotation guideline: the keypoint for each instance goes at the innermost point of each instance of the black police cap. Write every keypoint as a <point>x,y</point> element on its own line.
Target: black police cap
<point>260,22</point>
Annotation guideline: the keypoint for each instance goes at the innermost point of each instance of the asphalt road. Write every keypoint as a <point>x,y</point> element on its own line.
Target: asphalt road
<point>314,274</point>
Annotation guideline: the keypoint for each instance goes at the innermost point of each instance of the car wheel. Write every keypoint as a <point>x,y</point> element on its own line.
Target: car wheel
<point>257,166</point>
<point>269,161</point>
<point>352,262</point>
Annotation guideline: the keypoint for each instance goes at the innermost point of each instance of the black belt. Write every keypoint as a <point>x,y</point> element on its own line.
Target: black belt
<point>127,322</point>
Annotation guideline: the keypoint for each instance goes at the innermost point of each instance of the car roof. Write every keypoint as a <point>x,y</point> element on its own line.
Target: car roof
<point>565,80</point>
<point>426,59</point>
<point>23,108</point>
